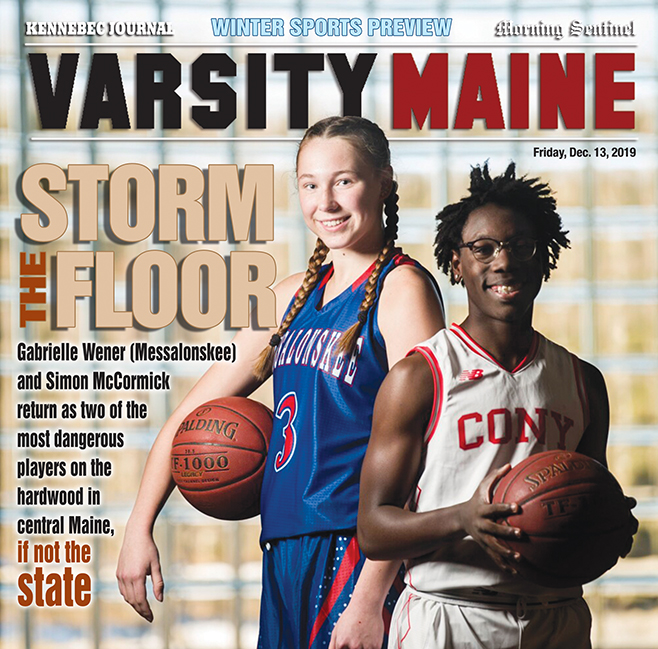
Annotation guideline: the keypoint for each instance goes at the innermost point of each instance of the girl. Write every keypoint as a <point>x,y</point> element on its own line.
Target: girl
<point>345,324</point>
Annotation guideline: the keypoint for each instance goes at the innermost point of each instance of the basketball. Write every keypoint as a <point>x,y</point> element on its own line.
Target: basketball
<point>218,457</point>
<point>573,516</point>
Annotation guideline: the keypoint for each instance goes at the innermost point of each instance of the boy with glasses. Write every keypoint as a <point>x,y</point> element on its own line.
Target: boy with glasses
<point>452,417</point>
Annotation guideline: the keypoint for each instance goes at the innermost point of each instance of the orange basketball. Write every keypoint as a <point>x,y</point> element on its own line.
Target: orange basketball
<point>573,515</point>
<point>218,457</point>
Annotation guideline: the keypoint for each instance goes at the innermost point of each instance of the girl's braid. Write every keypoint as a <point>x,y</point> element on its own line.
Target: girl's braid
<point>265,361</point>
<point>348,340</point>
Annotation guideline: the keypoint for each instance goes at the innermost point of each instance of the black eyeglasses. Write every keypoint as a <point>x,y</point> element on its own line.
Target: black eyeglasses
<point>486,250</point>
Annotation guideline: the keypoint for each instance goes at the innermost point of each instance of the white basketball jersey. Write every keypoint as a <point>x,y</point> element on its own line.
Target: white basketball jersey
<point>483,417</point>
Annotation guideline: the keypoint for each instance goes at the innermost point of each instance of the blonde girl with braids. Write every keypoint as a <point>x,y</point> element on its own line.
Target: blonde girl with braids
<point>343,325</point>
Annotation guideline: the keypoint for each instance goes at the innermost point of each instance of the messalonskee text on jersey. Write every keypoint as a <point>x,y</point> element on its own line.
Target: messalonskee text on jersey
<point>315,348</point>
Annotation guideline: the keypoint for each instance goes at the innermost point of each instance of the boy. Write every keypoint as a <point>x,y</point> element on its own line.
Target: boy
<point>452,417</point>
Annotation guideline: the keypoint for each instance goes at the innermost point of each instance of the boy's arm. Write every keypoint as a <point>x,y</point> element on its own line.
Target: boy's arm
<point>390,472</point>
<point>595,438</point>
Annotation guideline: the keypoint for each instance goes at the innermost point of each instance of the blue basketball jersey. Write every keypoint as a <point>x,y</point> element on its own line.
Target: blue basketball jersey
<point>323,405</point>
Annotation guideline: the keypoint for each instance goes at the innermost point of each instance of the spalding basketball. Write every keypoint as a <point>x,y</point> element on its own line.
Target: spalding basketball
<point>218,456</point>
<point>573,516</point>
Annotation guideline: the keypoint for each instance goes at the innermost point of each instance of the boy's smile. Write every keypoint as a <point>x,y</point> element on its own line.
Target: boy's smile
<point>503,288</point>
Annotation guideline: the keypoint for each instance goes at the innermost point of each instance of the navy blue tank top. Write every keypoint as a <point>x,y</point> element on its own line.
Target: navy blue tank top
<point>323,405</point>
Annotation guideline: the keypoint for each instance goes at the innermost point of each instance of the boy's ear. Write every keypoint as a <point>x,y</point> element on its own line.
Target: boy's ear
<point>455,268</point>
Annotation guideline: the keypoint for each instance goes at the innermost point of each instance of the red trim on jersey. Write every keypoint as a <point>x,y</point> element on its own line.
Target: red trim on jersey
<point>419,493</point>
<point>406,633</point>
<point>401,259</point>
<point>481,351</point>
<point>398,259</point>
<point>398,583</point>
<point>387,616</point>
<point>582,392</point>
<point>343,574</point>
<point>363,277</point>
<point>327,277</point>
<point>437,376</point>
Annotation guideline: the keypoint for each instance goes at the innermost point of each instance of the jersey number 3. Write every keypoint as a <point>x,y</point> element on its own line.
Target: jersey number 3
<point>287,411</point>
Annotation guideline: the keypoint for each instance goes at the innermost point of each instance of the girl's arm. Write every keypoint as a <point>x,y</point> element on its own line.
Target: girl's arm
<point>409,313</point>
<point>139,555</point>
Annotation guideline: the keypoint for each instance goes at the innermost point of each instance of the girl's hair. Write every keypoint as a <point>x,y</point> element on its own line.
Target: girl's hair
<point>369,142</point>
<point>526,196</point>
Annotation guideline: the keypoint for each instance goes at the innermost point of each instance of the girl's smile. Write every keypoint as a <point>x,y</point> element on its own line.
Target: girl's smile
<point>341,195</point>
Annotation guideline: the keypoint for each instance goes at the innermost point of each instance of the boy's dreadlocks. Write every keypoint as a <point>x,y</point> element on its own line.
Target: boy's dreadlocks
<point>526,196</point>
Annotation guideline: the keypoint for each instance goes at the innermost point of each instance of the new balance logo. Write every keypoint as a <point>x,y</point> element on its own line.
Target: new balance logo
<point>471,375</point>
